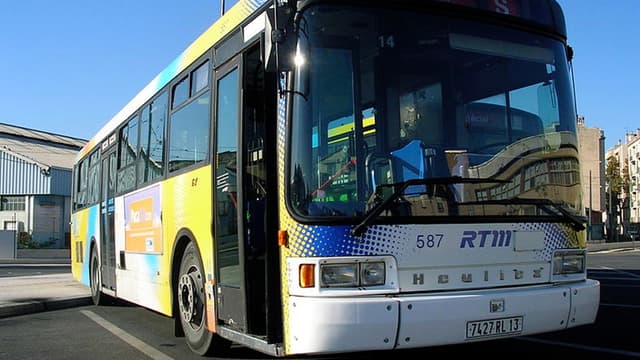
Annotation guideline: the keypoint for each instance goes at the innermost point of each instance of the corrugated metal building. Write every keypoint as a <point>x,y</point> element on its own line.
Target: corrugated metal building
<point>35,185</point>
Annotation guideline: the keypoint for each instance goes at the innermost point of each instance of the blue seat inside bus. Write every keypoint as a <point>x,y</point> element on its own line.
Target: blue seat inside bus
<point>409,163</point>
<point>417,161</point>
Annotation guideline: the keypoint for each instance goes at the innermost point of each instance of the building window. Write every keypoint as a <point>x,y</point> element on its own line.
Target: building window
<point>10,225</point>
<point>12,203</point>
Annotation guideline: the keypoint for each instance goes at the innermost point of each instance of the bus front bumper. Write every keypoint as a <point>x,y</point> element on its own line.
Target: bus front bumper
<point>327,325</point>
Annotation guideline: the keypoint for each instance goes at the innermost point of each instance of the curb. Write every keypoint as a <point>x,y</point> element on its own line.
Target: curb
<point>36,261</point>
<point>32,307</point>
<point>599,247</point>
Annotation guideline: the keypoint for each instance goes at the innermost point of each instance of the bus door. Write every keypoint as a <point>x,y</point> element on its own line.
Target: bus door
<point>107,236</point>
<point>245,214</point>
<point>230,294</point>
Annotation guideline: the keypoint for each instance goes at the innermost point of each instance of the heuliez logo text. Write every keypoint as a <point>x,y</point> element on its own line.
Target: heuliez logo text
<point>486,238</point>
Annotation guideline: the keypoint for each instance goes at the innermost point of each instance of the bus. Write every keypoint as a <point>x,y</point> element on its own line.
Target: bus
<point>316,176</point>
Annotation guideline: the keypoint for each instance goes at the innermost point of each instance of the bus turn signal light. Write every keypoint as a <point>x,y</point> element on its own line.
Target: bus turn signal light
<point>283,238</point>
<point>307,275</point>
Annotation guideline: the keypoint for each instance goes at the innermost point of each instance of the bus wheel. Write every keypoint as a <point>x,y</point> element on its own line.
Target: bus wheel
<point>94,277</point>
<point>191,303</point>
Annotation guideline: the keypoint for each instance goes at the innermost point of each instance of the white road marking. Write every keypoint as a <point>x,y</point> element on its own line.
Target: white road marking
<point>126,337</point>
<point>611,251</point>
<point>582,347</point>
<point>621,272</point>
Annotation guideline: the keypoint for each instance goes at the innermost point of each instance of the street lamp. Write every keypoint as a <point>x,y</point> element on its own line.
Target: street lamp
<point>589,215</point>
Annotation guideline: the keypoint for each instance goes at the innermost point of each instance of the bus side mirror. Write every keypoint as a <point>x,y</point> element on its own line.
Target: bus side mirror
<point>279,39</point>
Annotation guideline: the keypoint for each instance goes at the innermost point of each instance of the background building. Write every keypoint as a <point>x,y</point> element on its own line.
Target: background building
<point>633,152</point>
<point>592,168</point>
<point>35,185</point>
<point>625,218</point>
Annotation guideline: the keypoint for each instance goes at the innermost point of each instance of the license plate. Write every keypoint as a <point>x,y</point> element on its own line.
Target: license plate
<point>494,327</point>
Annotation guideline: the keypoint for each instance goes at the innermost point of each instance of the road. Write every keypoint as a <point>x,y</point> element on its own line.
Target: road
<point>124,331</point>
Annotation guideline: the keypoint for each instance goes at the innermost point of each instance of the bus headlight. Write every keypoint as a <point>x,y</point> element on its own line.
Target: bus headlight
<point>352,274</point>
<point>372,274</point>
<point>568,262</point>
<point>342,276</point>
<point>339,275</point>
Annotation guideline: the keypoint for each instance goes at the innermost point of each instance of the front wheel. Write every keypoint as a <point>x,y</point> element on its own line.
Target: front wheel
<point>190,295</point>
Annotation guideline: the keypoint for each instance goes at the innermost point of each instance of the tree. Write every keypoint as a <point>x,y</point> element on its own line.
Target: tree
<point>612,175</point>
<point>614,181</point>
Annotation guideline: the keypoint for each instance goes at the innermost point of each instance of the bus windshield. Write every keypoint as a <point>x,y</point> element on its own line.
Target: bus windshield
<point>386,96</point>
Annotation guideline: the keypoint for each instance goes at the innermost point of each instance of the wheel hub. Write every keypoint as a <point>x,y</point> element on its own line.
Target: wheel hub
<point>187,297</point>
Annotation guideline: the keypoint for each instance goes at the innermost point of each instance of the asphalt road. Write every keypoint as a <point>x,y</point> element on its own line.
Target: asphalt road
<point>123,331</point>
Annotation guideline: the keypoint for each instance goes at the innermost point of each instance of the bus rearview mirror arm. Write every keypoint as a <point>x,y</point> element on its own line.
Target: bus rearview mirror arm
<point>280,37</point>
<point>569,53</point>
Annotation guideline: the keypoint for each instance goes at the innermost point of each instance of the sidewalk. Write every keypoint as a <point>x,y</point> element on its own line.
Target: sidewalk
<point>30,294</point>
<point>22,295</point>
<point>596,246</point>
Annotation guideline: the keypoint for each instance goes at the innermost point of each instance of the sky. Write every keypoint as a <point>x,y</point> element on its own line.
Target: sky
<point>605,37</point>
<point>68,66</point>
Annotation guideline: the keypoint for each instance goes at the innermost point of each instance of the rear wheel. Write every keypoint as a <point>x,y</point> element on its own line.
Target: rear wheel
<point>95,277</point>
<point>191,305</point>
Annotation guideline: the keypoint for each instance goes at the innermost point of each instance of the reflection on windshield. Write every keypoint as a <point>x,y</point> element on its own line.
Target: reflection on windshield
<point>391,97</point>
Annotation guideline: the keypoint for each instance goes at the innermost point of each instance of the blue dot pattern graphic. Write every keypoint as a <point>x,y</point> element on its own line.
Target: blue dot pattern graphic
<point>327,241</point>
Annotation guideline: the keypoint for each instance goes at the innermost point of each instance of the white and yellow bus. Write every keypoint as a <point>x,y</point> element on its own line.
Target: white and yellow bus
<point>317,176</point>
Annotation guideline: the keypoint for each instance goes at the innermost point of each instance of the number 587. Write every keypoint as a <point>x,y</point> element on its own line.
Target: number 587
<point>429,240</point>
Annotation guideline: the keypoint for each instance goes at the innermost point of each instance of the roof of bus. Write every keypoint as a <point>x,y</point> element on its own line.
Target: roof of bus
<point>219,29</point>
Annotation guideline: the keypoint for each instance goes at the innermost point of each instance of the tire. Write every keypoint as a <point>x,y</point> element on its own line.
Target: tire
<point>95,278</point>
<point>190,296</point>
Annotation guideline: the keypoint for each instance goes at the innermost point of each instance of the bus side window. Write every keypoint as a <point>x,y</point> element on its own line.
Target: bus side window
<point>81,191</point>
<point>151,145</point>
<point>128,147</point>
<point>93,189</point>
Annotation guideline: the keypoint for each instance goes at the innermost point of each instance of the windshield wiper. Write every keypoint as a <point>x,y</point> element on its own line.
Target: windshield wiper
<point>402,186</point>
<point>546,205</point>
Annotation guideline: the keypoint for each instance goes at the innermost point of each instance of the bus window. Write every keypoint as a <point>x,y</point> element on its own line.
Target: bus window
<point>333,134</point>
<point>93,190</point>
<point>157,142</point>
<point>82,180</point>
<point>143,150</point>
<point>226,163</point>
<point>421,115</point>
<point>180,93</point>
<point>151,152</point>
<point>189,134</point>
<point>127,155</point>
<point>548,105</point>
<point>200,78</point>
